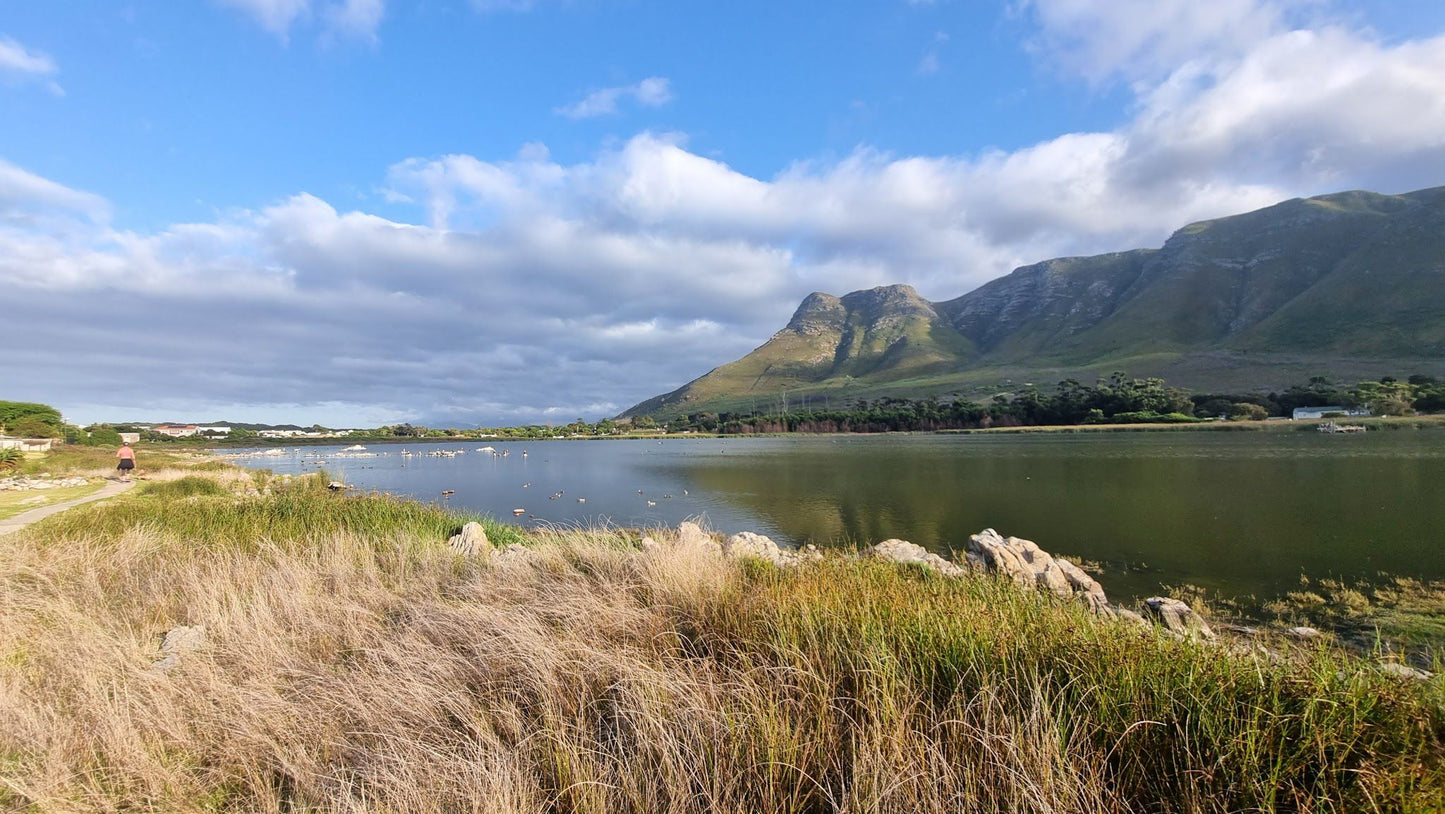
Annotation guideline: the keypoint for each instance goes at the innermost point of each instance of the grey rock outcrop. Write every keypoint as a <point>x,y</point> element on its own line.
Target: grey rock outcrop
<point>1177,617</point>
<point>902,551</point>
<point>470,541</point>
<point>1032,567</point>
<point>178,641</point>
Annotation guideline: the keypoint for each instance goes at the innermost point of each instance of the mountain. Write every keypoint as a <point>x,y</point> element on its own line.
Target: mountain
<point>1350,285</point>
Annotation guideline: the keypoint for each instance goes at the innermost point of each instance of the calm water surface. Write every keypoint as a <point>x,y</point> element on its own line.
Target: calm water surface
<point>1245,513</point>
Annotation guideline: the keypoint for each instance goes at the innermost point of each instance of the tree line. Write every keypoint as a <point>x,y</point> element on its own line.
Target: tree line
<point>1116,399</point>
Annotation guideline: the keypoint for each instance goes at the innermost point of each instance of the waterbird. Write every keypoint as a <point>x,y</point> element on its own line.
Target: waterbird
<point>527,485</point>
<point>518,512</point>
<point>652,503</point>
<point>581,500</point>
<point>449,491</point>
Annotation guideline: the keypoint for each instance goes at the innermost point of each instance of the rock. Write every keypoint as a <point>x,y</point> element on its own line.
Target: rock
<point>902,551</point>
<point>691,535</point>
<point>748,544</point>
<point>470,541</point>
<point>1303,633</point>
<point>647,543</point>
<point>1032,567</point>
<point>1399,670</point>
<point>179,640</point>
<point>1177,617</point>
<point>513,554</point>
<point>1125,615</point>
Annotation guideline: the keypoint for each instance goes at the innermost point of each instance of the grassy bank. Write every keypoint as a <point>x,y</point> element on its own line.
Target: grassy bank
<point>353,662</point>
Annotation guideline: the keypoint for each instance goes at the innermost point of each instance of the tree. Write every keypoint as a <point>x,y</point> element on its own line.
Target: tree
<point>34,427</point>
<point>1244,411</point>
<point>102,435</point>
<point>13,412</point>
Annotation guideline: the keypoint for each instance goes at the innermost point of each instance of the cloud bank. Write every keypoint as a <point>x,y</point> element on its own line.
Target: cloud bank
<point>528,289</point>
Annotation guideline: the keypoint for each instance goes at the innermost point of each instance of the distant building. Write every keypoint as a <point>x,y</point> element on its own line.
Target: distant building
<point>26,444</point>
<point>176,430</point>
<point>130,438</point>
<point>217,430</point>
<point>1307,413</point>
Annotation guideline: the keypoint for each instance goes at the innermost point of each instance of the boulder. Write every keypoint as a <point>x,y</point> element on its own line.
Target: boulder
<point>691,535</point>
<point>1177,617</point>
<point>179,640</point>
<point>470,541</point>
<point>513,554</point>
<point>748,544</point>
<point>904,552</point>
<point>1031,567</point>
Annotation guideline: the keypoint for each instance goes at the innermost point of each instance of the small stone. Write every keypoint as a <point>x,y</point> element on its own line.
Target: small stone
<point>470,541</point>
<point>1399,670</point>
<point>1303,633</point>
<point>179,640</point>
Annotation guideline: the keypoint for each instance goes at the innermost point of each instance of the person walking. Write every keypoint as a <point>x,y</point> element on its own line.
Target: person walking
<point>127,460</point>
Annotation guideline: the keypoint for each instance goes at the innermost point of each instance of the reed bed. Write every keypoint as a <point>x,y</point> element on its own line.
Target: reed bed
<point>354,663</point>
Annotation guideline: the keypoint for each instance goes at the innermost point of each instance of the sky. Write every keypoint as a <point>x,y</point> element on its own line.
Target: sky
<point>484,212</point>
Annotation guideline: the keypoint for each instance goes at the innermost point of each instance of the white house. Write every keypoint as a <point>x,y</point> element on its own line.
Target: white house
<point>26,444</point>
<point>176,430</point>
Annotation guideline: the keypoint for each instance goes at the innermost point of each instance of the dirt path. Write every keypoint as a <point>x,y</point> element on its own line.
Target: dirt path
<point>24,519</point>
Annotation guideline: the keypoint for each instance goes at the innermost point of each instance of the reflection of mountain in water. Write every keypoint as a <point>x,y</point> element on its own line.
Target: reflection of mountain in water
<point>1243,514</point>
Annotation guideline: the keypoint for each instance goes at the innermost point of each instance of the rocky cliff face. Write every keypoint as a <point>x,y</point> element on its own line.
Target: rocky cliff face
<point>1345,284</point>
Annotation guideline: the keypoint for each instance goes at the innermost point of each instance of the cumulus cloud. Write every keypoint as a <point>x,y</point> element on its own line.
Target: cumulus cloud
<point>19,64</point>
<point>532,289</point>
<point>654,91</point>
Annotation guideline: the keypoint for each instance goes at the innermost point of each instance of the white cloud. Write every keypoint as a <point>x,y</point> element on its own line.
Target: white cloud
<point>1147,39</point>
<point>20,64</point>
<point>655,91</point>
<point>341,18</point>
<point>355,18</point>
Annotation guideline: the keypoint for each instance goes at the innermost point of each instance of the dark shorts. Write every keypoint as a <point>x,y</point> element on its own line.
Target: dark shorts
<point>126,464</point>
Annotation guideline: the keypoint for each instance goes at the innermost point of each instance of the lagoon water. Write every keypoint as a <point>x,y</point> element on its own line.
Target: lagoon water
<point>1245,513</point>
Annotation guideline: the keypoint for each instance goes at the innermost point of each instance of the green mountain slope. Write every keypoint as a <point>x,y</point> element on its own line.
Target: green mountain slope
<point>1351,284</point>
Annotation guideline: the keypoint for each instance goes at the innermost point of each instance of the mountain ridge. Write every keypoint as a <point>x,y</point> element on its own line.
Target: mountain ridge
<point>1345,284</point>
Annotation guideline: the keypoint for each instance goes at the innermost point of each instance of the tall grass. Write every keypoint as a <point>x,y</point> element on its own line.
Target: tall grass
<point>355,664</point>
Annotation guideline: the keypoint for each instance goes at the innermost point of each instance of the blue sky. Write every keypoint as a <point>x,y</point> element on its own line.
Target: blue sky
<point>354,211</point>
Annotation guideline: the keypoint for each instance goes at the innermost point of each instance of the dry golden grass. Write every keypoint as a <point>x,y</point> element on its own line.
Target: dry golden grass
<point>370,669</point>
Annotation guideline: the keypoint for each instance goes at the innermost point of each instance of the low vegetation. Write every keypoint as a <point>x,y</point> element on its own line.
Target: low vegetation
<point>354,662</point>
